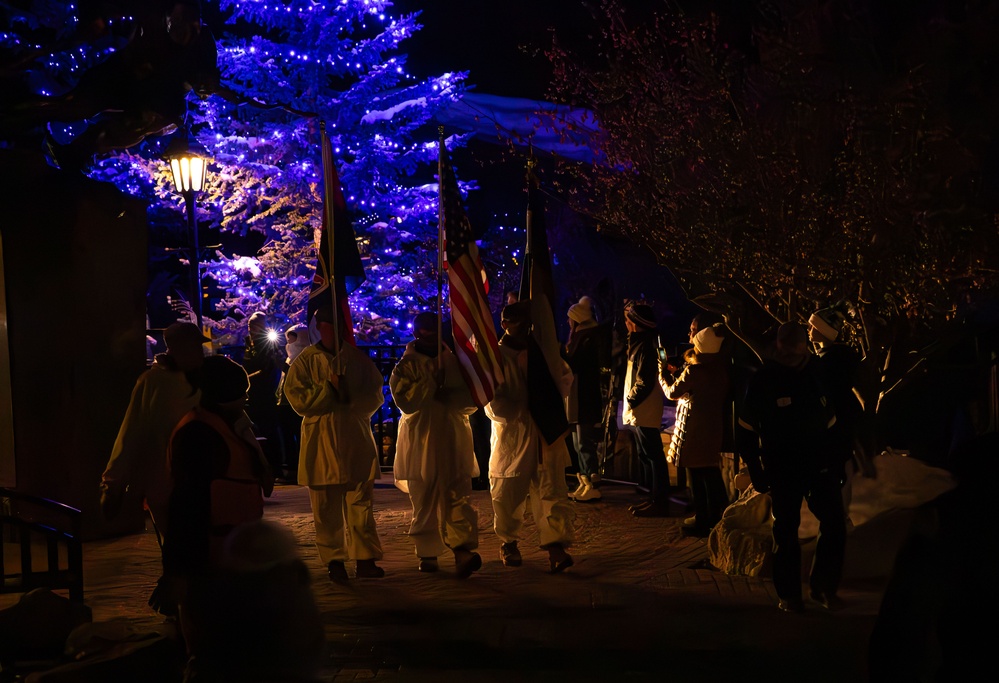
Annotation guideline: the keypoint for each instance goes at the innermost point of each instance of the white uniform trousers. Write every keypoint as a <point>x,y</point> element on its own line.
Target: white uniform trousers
<point>345,522</point>
<point>553,513</point>
<point>443,516</point>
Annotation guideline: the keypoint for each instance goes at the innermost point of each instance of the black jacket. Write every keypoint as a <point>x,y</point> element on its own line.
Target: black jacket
<point>784,424</point>
<point>587,353</point>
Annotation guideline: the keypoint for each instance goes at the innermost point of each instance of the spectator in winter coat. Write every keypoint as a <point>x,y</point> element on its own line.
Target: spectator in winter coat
<point>264,361</point>
<point>643,408</point>
<point>586,352</point>
<point>255,617</point>
<point>697,441</point>
<point>336,388</point>
<point>219,473</point>
<point>784,438</point>
<point>838,363</point>
<point>435,460</point>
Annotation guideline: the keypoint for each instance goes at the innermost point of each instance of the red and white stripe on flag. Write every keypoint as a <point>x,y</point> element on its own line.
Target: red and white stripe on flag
<point>475,342</point>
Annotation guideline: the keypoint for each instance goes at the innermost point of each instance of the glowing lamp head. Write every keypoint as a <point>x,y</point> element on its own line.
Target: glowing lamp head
<point>272,336</point>
<point>188,163</point>
<point>188,173</point>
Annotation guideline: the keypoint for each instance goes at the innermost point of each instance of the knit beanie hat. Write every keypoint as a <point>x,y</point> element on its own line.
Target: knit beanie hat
<point>708,340</point>
<point>581,311</point>
<point>828,321</point>
<point>222,380</point>
<point>641,314</point>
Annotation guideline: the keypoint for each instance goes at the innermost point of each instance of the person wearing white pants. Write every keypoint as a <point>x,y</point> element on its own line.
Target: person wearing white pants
<point>435,458</point>
<point>338,459</point>
<point>522,465</point>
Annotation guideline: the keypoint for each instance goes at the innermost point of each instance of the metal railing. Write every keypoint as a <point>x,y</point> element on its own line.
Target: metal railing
<point>25,518</point>
<point>385,422</point>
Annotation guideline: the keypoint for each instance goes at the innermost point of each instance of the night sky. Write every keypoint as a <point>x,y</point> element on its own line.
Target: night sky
<point>485,38</point>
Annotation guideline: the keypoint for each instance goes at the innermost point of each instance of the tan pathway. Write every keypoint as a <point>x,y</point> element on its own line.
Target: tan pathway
<point>639,604</point>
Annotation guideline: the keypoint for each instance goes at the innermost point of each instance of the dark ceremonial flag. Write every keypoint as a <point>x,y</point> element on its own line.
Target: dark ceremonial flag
<point>544,361</point>
<point>347,272</point>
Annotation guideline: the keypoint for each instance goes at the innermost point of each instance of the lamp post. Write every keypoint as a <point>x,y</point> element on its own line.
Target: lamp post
<point>189,162</point>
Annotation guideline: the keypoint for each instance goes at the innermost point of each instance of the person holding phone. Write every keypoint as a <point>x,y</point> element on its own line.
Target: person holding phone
<point>643,410</point>
<point>701,391</point>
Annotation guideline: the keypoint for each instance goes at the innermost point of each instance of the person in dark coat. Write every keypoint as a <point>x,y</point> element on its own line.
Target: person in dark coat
<point>586,352</point>
<point>220,478</point>
<point>255,618</point>
<point>942,583</point>
<point>783,438</point>
<point>838,363</point>
<point>219,473</point>
<point>263,360</point>
<point>643,408</point>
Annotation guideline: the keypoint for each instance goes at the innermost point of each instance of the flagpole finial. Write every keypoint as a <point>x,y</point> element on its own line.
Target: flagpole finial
<point>532,178</point>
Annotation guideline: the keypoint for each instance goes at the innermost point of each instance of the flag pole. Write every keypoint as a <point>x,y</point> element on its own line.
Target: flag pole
<point>525,276</point>
<point>440,252</point>
<point>328,193</point>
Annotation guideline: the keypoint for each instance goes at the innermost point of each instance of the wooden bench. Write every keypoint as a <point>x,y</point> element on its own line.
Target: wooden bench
<point>49,528</point>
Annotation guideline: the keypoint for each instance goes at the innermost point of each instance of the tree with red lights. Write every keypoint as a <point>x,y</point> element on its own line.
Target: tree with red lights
<point>793,154</point>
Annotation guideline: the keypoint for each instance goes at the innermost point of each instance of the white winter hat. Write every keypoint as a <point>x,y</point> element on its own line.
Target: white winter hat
<point>708,340</point>
<point>828,321</point>
<point>582,311</point>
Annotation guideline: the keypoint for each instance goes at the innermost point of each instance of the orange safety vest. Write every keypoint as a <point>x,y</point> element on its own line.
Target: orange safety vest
<point>236,496</point>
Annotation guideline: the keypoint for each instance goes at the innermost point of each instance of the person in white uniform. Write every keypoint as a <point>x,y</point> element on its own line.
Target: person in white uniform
<point>338,459</point>
<point>522,465</point>
<point>162,395</point>
<point>138,464</point>
<point>435,459</point>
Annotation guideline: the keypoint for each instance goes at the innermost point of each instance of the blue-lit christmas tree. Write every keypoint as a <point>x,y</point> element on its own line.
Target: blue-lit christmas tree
<point>283,67</point>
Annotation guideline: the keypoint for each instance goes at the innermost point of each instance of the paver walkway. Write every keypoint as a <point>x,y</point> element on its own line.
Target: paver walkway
<point>641,603</point>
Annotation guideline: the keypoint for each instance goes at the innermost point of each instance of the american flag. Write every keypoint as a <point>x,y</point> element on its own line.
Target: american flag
<point>475,342</point>
<point>348,272</point>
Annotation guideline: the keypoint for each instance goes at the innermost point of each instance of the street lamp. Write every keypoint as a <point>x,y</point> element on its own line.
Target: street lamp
<point>189,163</point>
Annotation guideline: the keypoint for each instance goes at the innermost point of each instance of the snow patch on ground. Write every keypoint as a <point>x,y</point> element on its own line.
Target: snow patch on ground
<point>741,543</point>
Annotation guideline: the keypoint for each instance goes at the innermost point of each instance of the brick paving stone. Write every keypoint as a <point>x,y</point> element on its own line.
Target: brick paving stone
<point>641,604</point>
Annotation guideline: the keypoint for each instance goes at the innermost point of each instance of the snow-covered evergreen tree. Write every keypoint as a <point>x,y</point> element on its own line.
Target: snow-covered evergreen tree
<point>339,61</point>
<point>285,66</point>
